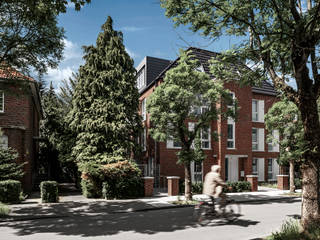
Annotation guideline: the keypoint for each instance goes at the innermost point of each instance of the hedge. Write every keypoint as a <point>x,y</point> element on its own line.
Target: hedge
<point>90,188</point>
<point>239,186</point>
<point>10,191</point>
<point>49,191</point>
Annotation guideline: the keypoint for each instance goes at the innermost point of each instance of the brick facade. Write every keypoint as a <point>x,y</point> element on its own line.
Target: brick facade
<point>218,152</point>
<point>20,123</point>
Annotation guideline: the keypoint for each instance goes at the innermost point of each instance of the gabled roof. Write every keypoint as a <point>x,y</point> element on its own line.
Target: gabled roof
<point>204,56</point>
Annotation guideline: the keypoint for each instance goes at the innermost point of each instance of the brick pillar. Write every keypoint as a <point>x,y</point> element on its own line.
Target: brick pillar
<point>283,182</point>
<point>173,186</point>
<point>253,179</point>
<point>148,186</point>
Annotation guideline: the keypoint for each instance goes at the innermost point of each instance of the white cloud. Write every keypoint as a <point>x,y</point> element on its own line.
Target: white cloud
<point>131,53</point>
<point>70,5</point>
<point>57,75</point>
<point>131,29</point>
<point>71,50</point>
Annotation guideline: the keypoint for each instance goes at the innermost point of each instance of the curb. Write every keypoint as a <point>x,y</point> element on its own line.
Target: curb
<point>18,219</point>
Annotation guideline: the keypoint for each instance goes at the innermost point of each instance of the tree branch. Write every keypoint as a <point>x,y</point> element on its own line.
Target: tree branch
<point>294,11</point>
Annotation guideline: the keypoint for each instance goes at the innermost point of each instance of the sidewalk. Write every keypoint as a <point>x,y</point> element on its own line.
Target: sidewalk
<point>75,204</point>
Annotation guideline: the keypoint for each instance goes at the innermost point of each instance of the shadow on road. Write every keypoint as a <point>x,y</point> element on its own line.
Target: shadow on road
<point>97,219</point>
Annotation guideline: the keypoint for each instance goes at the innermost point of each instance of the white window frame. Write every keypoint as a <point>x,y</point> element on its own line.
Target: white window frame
<point>259,113</point>
<point>255,142</point>
<point>144,109</point>
<point>4,141</point>
<point>232,123</point>
<point>144,139</point>
<point>274,147</point>
<point>2,102</point>
<point>233,98</point>
<point>194,173</point>
<point>171,144</point>
<point>272,167</point>
<point>256,160</point>
<point>141,78</point>
<point>203,140</point>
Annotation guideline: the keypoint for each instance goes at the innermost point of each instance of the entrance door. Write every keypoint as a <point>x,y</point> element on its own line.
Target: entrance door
<point>232,170</point>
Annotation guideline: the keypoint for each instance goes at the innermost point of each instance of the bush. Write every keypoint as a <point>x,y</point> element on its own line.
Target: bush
<point>292,230</point>
<point>196,188</point>
<point>49,191</point>
<point>122,180</point>
<point>240,186</point>
<point>4,210</point>
<point>90,188</point>
<point>10,191</point>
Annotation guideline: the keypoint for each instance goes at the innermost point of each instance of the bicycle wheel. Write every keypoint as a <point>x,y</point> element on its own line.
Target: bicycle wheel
<point>204,214</point>
<point>232,211</point>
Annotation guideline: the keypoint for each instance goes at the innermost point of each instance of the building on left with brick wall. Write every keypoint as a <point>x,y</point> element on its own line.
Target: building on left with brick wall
<point>20,114</point>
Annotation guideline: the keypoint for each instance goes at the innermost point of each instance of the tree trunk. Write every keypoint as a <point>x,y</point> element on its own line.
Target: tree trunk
<point>292,186</point>
<point>310,174</point>
<point>187,182</point>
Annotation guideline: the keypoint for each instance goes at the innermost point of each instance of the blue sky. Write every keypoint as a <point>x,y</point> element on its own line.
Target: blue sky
<point>146,30</point>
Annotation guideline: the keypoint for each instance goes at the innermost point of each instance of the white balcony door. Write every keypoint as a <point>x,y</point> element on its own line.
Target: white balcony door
<point>233,168</point>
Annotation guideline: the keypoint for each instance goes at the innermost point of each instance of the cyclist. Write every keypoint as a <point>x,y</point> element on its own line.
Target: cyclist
<point>213,186</point>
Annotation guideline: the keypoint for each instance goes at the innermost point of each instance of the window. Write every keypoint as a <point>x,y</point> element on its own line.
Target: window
<point>254,139</point>
<point>196,172</point>
<point>254,110</point>
<point>257,139</point>
<point>143,109</point>
<point>144,139</point>
<point>258,110</point>
<point>4,141</point>
<point>255,166</point>
<point>230,141</point>
<point>274,147</point>
<point>270,168</point>
<point>231,104</point>
<point>141,78</point>
<point>205,138</point>
<point>172,143</point>
<point>1,101</point>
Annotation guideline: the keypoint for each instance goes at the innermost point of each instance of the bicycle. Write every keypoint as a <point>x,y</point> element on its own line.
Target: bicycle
<point>205,212</point>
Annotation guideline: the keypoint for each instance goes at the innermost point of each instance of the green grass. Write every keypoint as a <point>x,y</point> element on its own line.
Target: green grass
<point>182,202</point>
<point>4,210</point>
<point>292,230</point>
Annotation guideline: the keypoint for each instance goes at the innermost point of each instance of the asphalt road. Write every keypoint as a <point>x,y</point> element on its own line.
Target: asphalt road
<point>257,220</point>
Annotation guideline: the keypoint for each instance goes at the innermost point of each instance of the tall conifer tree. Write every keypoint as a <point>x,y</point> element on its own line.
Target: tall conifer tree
<point>105,104</point>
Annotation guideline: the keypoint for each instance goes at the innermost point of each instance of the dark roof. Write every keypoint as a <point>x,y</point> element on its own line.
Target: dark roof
<point>154,67</point>
<point>204,56</point>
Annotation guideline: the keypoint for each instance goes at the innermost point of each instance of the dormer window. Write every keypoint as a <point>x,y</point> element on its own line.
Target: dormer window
<point>141,78</point>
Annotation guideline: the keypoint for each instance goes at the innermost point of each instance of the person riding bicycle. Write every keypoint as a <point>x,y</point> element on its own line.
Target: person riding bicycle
<point>213,186</point>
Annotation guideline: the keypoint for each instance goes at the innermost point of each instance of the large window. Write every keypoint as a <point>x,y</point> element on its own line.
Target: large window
<point>255,166</point>
<point>144,139</point>
<point>270,168</point>
<point>141,78</point>
<point>274,146</point>
<point>257,110</point>
<point>4,141</point>
<point>230,141</point>
<point>143,109</point>
<point>205,138</point>
<point>257,139</point>
<point>1,101</point>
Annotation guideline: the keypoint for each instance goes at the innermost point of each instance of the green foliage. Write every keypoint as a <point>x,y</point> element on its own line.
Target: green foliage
<point>196,187</point>
<point>284,116</point>
<point>298,183</point>
<point>30,36</point>
<point>10,191</point>
<point>122,180</point>
<point>49,191</point>
<point>91,188</point>
<point>4,210</point>
<point>239,186</point>
<point>9,169</point>
<point>105,103</point>
<point>292,230</point>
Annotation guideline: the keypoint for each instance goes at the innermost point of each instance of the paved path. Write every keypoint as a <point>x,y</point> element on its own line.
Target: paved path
<point>88,220</point>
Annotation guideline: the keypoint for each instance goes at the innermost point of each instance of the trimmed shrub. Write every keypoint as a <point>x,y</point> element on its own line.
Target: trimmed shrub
<point>4,210</point>
<point>10,191</point>
<point>122,180</point>
<point>240,186</point>
<point>90,188</point>
<point>49,191</point>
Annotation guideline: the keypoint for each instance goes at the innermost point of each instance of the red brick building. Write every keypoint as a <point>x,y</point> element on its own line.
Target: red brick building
<point>20,113</point>
<point>241,148</point>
